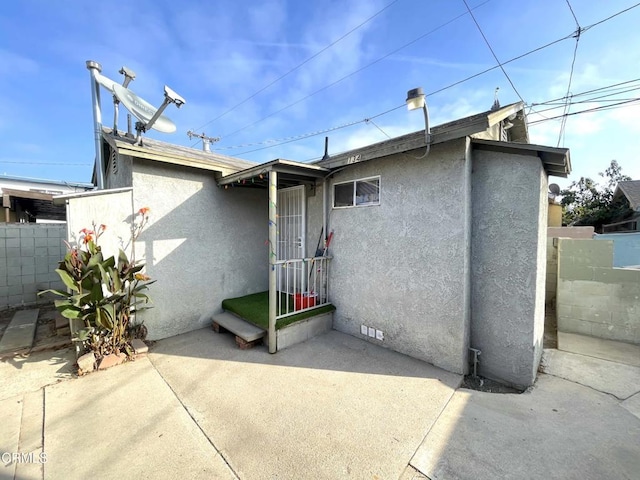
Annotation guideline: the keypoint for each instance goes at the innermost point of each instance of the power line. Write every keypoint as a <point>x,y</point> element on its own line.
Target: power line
<point>354,72</point>
<point>368,120</point>
<point>299,65</point>
<point>492,52</point>
<point>530,52</point>
<point>301,137</point>
<point>573,14</point>
<point>589,110</point>
<point>586,92</point>
<point>567,105</point>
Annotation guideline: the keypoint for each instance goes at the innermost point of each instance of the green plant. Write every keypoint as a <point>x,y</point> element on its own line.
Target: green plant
<point>103,293</point>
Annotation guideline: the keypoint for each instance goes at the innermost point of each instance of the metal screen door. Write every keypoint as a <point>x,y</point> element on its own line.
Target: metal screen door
<point>291,232</point>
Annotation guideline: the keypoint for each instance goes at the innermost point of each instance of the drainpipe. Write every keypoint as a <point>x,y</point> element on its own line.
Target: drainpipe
<point>95,67</point>
<point>467,253</point>
<point>273,294</point>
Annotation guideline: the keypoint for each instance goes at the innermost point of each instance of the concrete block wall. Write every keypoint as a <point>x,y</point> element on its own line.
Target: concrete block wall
<point>594,298</point>
<point>552,254</point>
<point>29,256</point>
<point>551,285</point>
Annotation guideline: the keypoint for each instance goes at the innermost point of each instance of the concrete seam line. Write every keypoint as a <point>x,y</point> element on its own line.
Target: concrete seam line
<point>44,411</point>
<point>194,420</point>
<point>434,423</point>
<point>589,386</point>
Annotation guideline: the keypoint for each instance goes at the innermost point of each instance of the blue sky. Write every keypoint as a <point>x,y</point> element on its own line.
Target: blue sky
<point>217,54</point>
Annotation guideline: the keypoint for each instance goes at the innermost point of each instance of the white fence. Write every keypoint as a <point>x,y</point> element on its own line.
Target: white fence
<point>302,284</point>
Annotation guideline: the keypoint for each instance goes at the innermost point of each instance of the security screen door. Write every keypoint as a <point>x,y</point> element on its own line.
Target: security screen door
<point>291,237</point>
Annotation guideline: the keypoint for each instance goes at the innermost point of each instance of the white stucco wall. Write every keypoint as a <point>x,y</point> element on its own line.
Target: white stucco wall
<point>203,244</point>
<point>509,195</point>
<point>113,209</point>
<point>399,266</point>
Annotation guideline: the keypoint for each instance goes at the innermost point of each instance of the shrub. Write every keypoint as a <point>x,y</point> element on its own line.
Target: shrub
<point>103,293</point>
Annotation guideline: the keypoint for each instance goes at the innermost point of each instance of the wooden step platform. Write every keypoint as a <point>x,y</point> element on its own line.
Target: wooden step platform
<point>247,334</point>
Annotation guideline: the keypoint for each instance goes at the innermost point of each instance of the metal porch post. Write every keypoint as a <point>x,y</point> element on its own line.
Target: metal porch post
<point>273,294</point>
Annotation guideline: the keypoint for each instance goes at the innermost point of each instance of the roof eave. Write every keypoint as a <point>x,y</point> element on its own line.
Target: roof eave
<point>279,165</point>
<point>556,161</point>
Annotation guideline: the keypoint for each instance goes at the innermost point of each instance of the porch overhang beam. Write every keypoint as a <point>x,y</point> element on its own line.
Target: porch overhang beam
<point>304,171</point>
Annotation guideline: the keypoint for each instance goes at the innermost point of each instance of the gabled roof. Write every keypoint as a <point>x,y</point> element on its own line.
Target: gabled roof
<point>631,190</point>
<point>174,154</point>
<point>468,126</point>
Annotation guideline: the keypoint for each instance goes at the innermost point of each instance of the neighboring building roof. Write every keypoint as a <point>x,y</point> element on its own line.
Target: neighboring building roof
<point>175,154</point>
<point>631,190</point>
<point>62,183</point>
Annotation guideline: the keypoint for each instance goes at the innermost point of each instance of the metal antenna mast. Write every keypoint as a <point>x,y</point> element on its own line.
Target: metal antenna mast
<point>206,141</point>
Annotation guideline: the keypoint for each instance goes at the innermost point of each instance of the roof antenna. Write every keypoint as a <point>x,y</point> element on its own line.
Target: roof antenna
<point>206,141</point>
<point>496,102</point>
<point>128,76</point>
<point>326,149</point>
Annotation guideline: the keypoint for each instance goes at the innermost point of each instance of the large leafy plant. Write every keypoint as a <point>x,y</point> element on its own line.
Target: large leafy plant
<point>104,293</point>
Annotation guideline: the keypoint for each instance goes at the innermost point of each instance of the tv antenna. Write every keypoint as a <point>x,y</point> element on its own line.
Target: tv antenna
<point>554,189</point>
<point>206,141</point>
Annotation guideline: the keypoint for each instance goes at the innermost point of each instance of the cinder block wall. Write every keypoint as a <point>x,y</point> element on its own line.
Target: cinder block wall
<point>593,297</point>
<point>29,256</point>
<point>551,285</point>
<point>552,254</point>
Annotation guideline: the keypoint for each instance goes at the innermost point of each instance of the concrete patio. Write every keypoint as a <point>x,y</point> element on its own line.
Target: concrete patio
<point>332,407</point>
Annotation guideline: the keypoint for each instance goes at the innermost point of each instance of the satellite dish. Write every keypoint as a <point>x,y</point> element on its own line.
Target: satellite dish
<point>554,188</point>
<point>105,81</point>
<point>140,108</point>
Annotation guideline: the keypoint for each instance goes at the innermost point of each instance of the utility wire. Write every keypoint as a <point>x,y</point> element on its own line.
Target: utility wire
<point>368,120</point>
<point>492,52</point>
<point>589,110</point>
<point>567,105</point>
<point>586,92</point>
<point>582,30</point>
<point>299,65</point>
<point>573,14</point>
<point>354,72</point>
<point>530,52</point>
<point>283,141</point>
<point>300,137</point>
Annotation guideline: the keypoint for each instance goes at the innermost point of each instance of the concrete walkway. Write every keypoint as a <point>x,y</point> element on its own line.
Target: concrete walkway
<point>332,407</point>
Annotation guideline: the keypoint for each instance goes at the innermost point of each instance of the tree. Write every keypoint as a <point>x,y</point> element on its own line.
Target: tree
<point>586,202</point>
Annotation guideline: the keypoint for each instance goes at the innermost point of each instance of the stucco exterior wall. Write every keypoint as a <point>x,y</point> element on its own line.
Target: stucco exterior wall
<point>509,209</point>
<point>398,267</point>
<point>594,298</point>
<point>203,244</point>
<point>113,209</point>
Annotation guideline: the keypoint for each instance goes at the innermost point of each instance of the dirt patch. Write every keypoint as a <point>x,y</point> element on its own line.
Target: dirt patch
<point>482,384</point>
